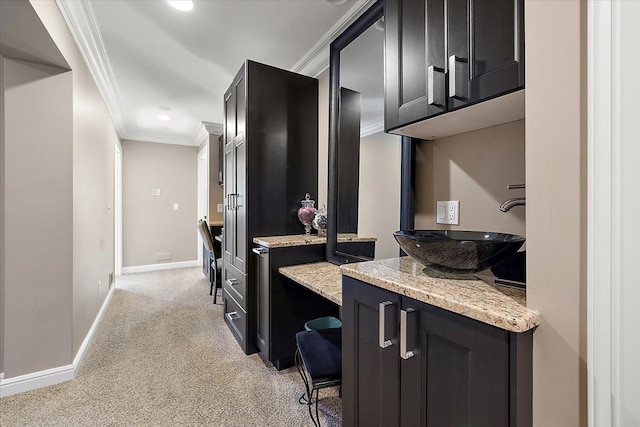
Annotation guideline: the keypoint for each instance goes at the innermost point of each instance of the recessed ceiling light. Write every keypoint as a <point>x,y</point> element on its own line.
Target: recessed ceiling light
<point>183,5</point>
<point>335,2</point>
<point>164,117</point>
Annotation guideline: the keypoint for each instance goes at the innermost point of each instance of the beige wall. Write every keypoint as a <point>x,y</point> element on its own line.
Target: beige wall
<point>474,168</point>
<point>38,215</point>
<point>556,207</point>
<point>149,224</point>
<point>379,195</point>
<point>94,138</point>
<point>216,191</point>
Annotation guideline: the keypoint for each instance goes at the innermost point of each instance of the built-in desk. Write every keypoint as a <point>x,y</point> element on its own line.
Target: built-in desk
<point>323,278</point>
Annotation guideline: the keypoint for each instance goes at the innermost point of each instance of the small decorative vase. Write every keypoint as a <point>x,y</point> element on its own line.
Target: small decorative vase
<point>320,221</point>
<point>307,212</point>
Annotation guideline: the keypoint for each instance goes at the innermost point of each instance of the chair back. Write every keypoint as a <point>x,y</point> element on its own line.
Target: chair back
<point>205,233</point>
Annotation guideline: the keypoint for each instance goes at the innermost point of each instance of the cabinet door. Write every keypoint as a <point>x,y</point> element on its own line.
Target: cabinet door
<point>459,373</point>
<point>369,372</point>
<point>458,52</point>
<point>415,60</point>
<point>229,173</point>
<point>497,47</point>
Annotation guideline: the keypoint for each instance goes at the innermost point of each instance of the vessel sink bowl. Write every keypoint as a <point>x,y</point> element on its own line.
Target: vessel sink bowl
<point>458,251</point>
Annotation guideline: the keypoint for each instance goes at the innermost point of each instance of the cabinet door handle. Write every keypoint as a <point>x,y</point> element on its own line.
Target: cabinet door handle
<point>453,61</point>
<point>229,202</point>
<point>236,201</point>
<point>403,334</point>
<point>382,341</point>
<point>232,316</point>
<point>232,282</point>
<point>431,76</point>
<point>260,250</point>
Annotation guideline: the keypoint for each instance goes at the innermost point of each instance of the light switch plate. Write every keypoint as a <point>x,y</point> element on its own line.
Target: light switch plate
<point>448,212</point>
<point>155,192</point>
<point>219,207</point>
<point>176,207</point>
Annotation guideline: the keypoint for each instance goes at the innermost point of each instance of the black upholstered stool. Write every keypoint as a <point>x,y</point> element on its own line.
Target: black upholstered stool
<point>320,354</point>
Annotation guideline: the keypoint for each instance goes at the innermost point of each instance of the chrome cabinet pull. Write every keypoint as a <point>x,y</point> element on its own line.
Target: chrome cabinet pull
<point>453,60</point>
<point>382,341</point>
<point>232,282</point>
<point>431,76</point>
<point>404,353</point>
<point>260,250</point>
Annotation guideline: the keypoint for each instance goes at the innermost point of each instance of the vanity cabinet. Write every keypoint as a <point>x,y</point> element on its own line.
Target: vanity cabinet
<point>284,306</point>
<point>270,162</point>
<point>409,363</point>
<point>442,55</point>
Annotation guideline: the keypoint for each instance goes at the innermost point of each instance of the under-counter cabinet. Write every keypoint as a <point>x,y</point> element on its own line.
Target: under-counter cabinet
<point>442,55</point>
<point>270,162</point>
<point>412,364</point>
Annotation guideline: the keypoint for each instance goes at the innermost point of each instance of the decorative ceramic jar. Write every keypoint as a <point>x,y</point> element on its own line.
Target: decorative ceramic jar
<point>320,221</point>
<point>307,212</point>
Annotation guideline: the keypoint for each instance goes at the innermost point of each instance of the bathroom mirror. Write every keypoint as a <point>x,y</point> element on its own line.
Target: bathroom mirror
<point>356,107</point>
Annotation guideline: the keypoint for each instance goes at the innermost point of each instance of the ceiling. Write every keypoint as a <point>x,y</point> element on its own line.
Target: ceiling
<point>150,59</point>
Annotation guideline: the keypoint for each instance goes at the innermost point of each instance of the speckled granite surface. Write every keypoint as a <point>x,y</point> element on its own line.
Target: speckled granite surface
<point>499,306</point>
<point>322,278</point>
<point>303,239</point>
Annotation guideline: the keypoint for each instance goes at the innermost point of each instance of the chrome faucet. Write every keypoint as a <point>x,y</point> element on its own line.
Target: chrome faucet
<point>516,201</point>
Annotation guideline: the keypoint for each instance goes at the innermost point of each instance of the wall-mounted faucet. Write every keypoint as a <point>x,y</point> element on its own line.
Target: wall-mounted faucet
<point>516,201</point>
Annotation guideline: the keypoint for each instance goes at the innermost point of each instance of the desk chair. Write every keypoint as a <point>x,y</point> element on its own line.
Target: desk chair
<point>320,354</point>
<point>215,263</point>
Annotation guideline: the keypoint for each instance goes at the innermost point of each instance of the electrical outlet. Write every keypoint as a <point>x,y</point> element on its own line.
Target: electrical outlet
<point>176,207</point>
<point>219,207</point>
<point>155,192</point>
<point>448,212</point>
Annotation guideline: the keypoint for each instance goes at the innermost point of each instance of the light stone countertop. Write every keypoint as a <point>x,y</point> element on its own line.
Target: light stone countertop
<point>322,278</point>
<point>499,306</point>
<point>304,239</point>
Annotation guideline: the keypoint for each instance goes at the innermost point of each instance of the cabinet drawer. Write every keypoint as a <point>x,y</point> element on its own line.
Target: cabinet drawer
<point>234,282</point>
<point>235,317</point>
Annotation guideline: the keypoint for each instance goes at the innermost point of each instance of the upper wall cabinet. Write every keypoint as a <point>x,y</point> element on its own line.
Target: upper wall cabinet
<point>443,56</point>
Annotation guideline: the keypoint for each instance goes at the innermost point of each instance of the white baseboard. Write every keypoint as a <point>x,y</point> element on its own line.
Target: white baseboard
<point>48,377</point>
<point>87,339</point>
<point>159,267</point>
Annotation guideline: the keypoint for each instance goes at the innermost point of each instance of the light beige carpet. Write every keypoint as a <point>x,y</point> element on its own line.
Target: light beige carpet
<point>163,356</point>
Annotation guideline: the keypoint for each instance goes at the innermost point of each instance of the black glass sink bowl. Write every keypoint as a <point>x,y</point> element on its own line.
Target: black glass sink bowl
<point>458,251</point>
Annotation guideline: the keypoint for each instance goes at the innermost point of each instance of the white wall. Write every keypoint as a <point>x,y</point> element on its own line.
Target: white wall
<point>150,225</point>
<point>614,209</point>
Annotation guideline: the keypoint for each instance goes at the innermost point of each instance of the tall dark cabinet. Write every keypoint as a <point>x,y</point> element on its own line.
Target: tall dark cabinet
<point>412,364</point>
<point>442,55</point>
<point>270,162</point>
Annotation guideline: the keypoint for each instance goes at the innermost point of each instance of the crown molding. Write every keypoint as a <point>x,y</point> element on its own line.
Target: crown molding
<point>374,126</point>
<point>81,22</point>
<point>213,128</point>
<point>316,60</point>
<point>162,138</point>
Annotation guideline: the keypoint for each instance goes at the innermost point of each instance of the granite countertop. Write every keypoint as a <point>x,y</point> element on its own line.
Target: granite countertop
<point>306,239</point>
<point>322,278</point>
<point>499,306</point>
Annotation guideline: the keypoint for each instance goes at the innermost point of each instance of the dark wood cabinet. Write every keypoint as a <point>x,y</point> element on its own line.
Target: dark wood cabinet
<point>442,55</point>
<point>409,363</point>
<point>285,306</point>
<point>270,162</point>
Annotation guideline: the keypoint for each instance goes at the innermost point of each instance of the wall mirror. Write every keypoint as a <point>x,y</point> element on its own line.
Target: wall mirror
<point>364,163</point>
